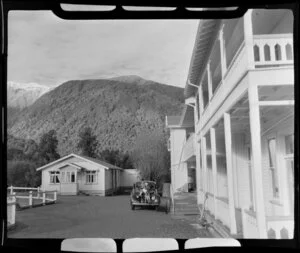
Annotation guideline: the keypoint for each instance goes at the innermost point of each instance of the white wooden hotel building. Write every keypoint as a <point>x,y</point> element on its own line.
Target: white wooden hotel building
<point>237,129</point>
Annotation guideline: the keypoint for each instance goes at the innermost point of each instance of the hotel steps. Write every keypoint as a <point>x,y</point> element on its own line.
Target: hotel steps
<point>186,205</point>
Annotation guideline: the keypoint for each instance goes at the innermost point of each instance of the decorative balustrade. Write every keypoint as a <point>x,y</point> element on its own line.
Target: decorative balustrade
<point>189,148</point>
<point>280,227</point>
<point>273,49</point>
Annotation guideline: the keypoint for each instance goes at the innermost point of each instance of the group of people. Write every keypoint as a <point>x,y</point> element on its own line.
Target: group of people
<point>145,190</point>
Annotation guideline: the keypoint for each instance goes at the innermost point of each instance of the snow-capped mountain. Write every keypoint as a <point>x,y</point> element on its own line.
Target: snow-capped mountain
<point>20,95</point>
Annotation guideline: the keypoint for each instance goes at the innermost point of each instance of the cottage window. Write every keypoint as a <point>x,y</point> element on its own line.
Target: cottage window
<point>272,166</point>
<point>72,177</point>
<point>91,177</point>
<point>54,177</point>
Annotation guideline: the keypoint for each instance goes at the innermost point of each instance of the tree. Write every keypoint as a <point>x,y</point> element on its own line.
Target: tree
<point>15,154</point>
<point>31,150</point>
<point>22,174</point>
<point>117,158</point>
<point>87,142</point>
<point>48,147</point>
<point>150,156</point>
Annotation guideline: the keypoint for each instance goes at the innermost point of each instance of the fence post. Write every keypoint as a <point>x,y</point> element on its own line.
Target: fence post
<point>44,197</point>
<point>13,210</point>
<point>11,190</point>
<point>55,196</point>
<point>30,198</point>
<point>38,192</point>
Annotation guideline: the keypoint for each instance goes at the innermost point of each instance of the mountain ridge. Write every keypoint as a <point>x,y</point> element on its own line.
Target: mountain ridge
<point>116,110</point>
<point>21,95</point>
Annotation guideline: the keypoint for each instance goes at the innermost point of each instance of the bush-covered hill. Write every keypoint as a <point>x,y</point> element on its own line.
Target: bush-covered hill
<point>116,109</point>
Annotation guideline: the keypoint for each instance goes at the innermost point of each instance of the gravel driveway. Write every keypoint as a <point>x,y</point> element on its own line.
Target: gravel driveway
<point>94,216</point>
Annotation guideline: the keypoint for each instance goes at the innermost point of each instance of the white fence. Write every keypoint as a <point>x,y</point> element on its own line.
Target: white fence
<point>28,197</point>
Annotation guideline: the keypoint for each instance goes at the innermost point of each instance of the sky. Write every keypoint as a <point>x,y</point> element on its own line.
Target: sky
<point>47,50</point>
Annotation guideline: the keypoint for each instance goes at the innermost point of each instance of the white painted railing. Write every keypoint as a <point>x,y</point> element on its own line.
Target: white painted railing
<point>280,227</point>
<point>250,227</point>
<point>223,211</point>
<point>11,210</point>
<point>12,189</point>
<point>33,196</point>
<point>189,148</point>
<point>273,49</point>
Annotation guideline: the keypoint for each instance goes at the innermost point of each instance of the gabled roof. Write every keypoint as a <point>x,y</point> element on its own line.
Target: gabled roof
<point>105,164</point>
<point>86,158</point>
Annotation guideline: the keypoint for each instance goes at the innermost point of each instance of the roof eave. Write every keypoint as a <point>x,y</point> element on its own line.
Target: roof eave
<point>203,44</point>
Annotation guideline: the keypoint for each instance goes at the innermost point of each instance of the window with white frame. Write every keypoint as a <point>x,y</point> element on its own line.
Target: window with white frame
<point>73,176</point>
<point>70,177</point>
<point>91,177</point>
<point>54,177</point>
<point>272,166</point>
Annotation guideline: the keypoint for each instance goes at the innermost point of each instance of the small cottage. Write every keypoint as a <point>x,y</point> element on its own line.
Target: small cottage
<point>74,174</point>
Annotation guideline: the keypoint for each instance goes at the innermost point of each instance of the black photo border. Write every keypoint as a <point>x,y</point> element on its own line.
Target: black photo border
<point>53,245</point>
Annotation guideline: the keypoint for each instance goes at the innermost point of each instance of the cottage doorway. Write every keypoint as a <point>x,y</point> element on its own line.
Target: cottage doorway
<point>68,185</point>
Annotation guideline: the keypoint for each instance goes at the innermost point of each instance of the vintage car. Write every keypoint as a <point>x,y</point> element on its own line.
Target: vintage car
<point>144,193</point>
